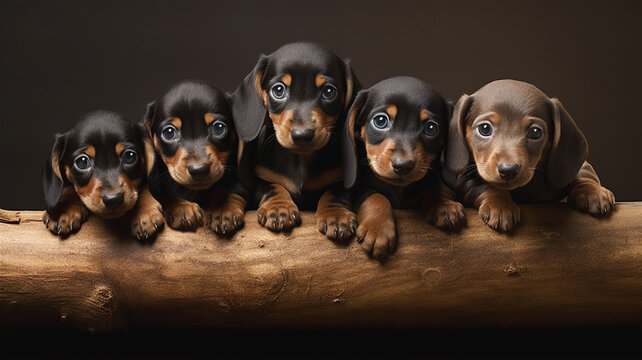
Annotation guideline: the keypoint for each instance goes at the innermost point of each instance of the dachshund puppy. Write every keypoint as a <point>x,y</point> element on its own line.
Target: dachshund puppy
<point>289,112</point>
<point>525,148</point>
<point>192,130</point>
<point>99,167</point>
<point>392,144</point>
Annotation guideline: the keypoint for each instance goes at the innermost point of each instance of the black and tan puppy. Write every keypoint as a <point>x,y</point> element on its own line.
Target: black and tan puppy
<point>99,167</point>
<point>192,130</point>
<point>392,144</point>
<point>509,142</point>
<point>289,112</point>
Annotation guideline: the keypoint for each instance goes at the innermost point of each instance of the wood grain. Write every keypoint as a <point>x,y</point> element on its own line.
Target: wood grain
<point>560,268</point>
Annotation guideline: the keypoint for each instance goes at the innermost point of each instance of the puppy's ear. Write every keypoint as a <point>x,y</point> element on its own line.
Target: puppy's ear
<point>149,117</point>
<point>457,155</point>
<point>249,102</point>
<point>148,148</point>
<point>350,162</point>
<point>352,83</point>
<point>52,180</point>
<point>569,148</point>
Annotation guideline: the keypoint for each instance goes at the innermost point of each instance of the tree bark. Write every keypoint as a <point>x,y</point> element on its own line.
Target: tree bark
<point>559,268</point>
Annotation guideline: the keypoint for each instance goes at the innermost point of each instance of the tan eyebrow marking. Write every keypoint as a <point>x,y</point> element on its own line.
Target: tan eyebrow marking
<point>319,80</point>
<point>209,118</point>
<point>392,110</point>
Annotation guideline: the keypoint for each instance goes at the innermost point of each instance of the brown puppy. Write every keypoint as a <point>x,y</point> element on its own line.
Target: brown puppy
<point>525,147</point>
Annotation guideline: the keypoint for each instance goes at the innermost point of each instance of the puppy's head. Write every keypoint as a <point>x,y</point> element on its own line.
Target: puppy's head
<point>103,158</point>
<point>192,130</point>
<point>303,88</point>
<point>402,123</point>
<point>512,130</point>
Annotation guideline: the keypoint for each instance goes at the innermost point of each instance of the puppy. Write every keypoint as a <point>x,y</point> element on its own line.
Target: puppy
<point>289,112</point>
<point>99,167</point>
<point>192,130</point>
<point>392,144</point>
<point>525,147</point>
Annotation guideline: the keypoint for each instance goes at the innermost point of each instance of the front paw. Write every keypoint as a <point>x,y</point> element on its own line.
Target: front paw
<point>227,219</point>
<point>592,198</point>
<point>279,215</point>
<point>337,223</point>
<point>447,215</point>
<point>183,215</point>
<point>147,223</point>
<point>500,215</point>
<point>67,222</point>
<point>378,237</point>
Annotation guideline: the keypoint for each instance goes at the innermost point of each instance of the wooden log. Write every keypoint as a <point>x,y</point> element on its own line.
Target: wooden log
<point>561,268</point>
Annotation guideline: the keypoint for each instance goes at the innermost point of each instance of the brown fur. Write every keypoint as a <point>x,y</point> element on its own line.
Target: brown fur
<point>377,230</point>
<point>209,118</point>
<point>225,212</point>
<point>319,80</point>
<point>147,216</point>
<point>335,220</point>
<point>74,213</point>
<point>278,212</point>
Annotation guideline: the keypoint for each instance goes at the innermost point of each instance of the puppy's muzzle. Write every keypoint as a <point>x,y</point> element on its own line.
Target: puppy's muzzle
<point>199,171</point>
<point>402,166</point>
<point>508,171</point>
<point>301,136</point>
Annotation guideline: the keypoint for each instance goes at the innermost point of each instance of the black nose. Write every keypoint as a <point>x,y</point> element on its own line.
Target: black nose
<point>402,166</point>
<point>113,200</point>
<point>302,136</point>
<point>198,170</point>
<point>508,171</point>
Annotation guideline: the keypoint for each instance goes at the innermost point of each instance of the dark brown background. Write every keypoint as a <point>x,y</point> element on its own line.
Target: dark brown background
<point>61,59</point>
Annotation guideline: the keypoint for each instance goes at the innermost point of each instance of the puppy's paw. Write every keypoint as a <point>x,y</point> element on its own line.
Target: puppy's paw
<point>227,219</point>
<point>337,223</point>
<point>147,222</point>
<point>592,198</point>
<point>447,215</point>
<point>500,215</point>
<point>378,236</point>
<point>67,221</point>
<point>183,215</point>
<point>278,215</point>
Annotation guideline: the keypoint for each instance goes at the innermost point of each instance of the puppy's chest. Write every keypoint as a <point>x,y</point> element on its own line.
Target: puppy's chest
<point>300,173</point>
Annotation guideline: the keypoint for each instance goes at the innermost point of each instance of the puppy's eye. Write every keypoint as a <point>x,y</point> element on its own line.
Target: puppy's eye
<point>218,129</point>
<point>328,92</point>
<point>485,129</point>
<point>278,91</point>
<point>381,120</point>
<point>534,133</point>
<point>169,133</point>
<point>129,157</point>
<point>431,128</point>
<point>82,162</point>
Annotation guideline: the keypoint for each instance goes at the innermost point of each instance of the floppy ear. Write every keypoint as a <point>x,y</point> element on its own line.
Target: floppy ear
<point>352,83</point>
<point>457,155</point>
<point>52,180</point>
<point>149,117</point>
<point>350,162</point>
<point>569,148</point>
<point>148,148</point>
<point>248,104</point>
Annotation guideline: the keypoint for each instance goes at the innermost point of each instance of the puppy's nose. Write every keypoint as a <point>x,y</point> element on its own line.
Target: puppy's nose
<point>402,166</point>
<point>302,136</point>
<point>113,200</point>
<point>508,171</point>
<point>198,170</point>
